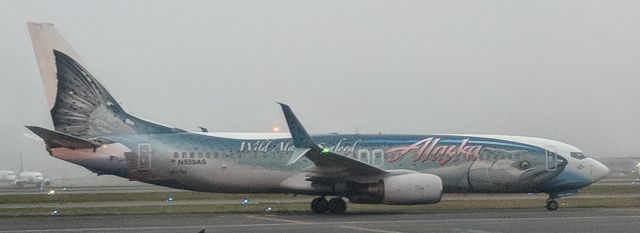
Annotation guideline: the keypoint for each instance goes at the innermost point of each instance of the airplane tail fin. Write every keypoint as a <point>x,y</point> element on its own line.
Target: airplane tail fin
<point>21,164</point>
<point>80,106</point>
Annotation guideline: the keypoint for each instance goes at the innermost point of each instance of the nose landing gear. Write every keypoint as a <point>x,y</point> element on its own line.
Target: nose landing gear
<point>552,204</point>
<point>335,206</point>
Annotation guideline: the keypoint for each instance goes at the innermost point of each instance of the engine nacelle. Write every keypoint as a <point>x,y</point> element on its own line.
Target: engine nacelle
<point>19,183</point>
<point>412,189</point>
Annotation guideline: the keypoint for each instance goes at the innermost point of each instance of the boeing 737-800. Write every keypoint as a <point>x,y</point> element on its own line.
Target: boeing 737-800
<point>92,130</point>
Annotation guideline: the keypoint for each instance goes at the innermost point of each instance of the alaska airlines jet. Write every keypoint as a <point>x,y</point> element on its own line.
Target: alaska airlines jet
<point>92,130</point>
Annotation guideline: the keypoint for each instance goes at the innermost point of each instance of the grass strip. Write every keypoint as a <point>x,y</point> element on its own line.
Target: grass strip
<point>304,208</point>
<point>62,197</point>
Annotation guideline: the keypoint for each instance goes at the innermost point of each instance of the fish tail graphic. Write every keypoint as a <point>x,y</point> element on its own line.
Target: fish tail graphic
<point>79,105</point>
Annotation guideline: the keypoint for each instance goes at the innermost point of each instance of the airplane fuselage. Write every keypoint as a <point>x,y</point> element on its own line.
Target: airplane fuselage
<point>248,163</point>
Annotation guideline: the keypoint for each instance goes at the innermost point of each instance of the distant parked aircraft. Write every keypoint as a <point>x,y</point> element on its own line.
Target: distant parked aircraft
<point>7,176</point>
<point>24,178</point>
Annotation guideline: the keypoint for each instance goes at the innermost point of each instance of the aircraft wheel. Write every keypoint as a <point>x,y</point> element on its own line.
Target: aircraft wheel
<point>337,205</point>
<point>319,205</point>
<point>552,205</point>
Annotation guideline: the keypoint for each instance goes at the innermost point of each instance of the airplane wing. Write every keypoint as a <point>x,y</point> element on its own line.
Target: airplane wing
<point>328,165</point>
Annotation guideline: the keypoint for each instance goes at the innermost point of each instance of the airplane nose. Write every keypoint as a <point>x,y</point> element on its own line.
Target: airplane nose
<point>599,171</point>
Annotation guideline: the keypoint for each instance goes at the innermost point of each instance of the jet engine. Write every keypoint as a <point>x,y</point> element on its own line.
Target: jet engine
<point>402,189</point>
<point>411,189</point>
<point>19,183</point>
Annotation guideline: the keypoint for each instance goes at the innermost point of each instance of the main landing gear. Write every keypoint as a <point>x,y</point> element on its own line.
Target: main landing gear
<point>335,206</point>
<point>552,204</point>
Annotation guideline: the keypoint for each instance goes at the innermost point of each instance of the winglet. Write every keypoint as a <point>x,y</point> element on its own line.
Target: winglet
<point>299,135</point>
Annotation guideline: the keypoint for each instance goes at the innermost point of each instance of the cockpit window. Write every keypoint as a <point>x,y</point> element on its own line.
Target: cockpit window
<point>578,155</point>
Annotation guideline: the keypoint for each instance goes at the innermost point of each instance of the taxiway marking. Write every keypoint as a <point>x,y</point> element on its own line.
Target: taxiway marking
<point>367,229</point>
<point>277,219</point>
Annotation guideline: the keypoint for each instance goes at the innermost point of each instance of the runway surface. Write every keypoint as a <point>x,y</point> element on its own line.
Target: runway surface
<point>299,199</point>
<point>510,220</point>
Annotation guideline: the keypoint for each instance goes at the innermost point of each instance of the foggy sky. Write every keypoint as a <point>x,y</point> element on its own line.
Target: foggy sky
<point>563,70</point>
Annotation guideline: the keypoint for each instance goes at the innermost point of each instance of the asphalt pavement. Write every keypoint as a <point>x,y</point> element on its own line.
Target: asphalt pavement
<point>499,220</point>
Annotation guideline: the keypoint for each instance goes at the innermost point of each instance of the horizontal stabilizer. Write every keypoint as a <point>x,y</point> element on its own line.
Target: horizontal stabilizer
<point>56,139</point>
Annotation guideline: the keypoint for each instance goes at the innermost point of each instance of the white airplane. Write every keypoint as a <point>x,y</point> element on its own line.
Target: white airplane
<point>7,176</point>
<point>94,131</point>
<point>31,178</point>
<point>24,178</point>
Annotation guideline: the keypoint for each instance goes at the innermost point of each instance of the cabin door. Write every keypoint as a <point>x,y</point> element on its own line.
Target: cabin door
<point>551,158</point>
<point>144,156</point>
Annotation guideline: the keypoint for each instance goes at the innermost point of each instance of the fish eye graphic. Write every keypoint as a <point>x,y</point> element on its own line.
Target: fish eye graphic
<point>525,164</point>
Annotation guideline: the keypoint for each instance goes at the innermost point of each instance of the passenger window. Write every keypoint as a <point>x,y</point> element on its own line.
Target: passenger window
<point>364,156</point>
<point>578,155</point>
<point>378,157</point>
